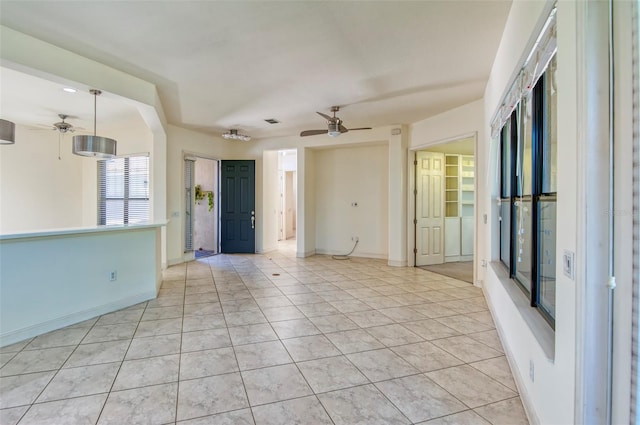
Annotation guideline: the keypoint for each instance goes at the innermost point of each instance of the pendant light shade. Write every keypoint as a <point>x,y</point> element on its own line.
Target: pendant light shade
<point>7,132</point>
<point>94,146</point>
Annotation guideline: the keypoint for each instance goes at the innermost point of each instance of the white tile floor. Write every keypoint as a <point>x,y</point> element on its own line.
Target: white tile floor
<point>271,339</point>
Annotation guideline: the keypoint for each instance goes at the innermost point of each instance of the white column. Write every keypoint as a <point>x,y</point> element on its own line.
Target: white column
<point>398,196</point>
<point>306,226</point>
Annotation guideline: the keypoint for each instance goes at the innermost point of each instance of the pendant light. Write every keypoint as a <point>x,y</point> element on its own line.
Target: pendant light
<point>94,146</point>
<point>7,132</point>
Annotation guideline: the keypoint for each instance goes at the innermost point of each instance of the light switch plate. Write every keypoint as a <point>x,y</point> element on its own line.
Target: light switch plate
<point>568,263</point>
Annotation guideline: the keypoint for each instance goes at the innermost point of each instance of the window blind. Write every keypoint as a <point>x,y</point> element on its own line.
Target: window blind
<point>123,190</point>
<point>635,372</point>
<point>534,66</point>
<point>189,170</point>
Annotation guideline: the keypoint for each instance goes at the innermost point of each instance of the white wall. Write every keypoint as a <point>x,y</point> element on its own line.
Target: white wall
<point>449,125</point>
<point>344,176</point>
<point>306,240</point>
<point>133,137</point>
<point>270,199</point>
<point>181,142</point>
<point>550,397</point>
<point>464,121</point>
<point>288,161</point>
<point>38,191</point>
<point>71,282</point>
<point>35,57</point>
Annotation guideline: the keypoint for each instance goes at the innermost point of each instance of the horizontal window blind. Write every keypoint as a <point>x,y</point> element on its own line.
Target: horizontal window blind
<point>189,171</point>
<point>123,190</point>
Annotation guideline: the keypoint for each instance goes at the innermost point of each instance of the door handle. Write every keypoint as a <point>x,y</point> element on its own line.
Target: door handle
<point>253,219</point>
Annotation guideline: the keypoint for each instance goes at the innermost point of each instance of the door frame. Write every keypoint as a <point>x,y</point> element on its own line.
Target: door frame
<point>433,157</point>
<point>289,217</point>
<point>236,245</point>
<point>411,199</point>
<point>190,255</point>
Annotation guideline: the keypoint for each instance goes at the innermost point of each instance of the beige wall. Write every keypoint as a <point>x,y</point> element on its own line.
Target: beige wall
<point>38,191</point>
<point>345,176</point>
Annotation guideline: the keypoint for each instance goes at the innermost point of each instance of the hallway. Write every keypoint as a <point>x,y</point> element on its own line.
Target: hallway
<point>273,339</point>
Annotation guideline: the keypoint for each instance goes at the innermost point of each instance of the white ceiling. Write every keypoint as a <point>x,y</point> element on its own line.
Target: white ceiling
<point>232,64</point>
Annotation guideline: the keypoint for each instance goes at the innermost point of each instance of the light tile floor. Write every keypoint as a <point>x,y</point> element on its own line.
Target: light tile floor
<point>271,339</point>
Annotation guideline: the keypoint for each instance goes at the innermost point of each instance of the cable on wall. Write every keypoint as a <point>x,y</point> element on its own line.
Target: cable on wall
<point>346,256</point>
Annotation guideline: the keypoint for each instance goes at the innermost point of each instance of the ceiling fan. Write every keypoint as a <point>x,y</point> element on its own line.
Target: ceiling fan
<point>63,127</point>
<point>334,124</point>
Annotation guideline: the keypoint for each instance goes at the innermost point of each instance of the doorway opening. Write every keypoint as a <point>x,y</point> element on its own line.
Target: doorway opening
<point>287,205</point>
<point>202,210</point>
<point>445,208</point>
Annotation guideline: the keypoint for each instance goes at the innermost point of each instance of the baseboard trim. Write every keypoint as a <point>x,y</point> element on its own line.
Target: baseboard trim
<point>355,255</point>
<point>305,254</point>
<point>18,335</point>
<point>267,250</point>
<point>397,263</point>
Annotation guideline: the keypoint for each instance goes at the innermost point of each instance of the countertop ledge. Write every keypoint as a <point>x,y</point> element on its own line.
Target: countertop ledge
<point>81,230</point>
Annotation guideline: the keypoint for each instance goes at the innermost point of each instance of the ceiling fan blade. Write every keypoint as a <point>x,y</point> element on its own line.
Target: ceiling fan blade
<point>325,116</point>
<point>342,128</point>
<point>312,132</point>
<point>360,128</point>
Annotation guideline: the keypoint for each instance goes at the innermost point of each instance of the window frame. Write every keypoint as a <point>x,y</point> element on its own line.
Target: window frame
<point>126,198</point>
<point>509,192</point>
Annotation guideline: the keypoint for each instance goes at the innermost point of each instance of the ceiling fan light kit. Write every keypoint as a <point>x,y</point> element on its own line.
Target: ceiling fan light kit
<point>334,130</point>
<point>94,146</point>
<point>234,135</point>
<point>334,125</point>
<point>7,132</point>
<point>63,127</point>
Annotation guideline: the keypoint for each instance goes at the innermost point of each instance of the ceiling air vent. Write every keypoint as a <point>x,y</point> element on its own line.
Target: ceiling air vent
<point>272,121</point>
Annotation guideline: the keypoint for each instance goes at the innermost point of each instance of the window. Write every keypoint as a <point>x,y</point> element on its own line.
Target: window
<point>123,190</point>
<point>528,193</point>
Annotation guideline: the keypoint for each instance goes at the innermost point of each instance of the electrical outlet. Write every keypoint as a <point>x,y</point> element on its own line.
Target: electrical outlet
<point>532,371</point>
<point>113,276</point>
<point>354,239</point>
<point>354,204</point>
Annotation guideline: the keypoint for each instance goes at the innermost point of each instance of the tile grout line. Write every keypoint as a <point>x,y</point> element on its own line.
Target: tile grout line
<point>184,300</point>
<point>235,355</point>
<point>245,267</point>
<point>121,363</point>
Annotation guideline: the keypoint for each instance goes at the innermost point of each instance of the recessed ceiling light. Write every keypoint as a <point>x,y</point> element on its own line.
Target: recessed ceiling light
<point>69,89</point>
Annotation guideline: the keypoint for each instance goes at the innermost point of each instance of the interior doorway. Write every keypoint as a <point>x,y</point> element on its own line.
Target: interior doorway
<point>445,206</point>
<point>288,181</point>
<point>202,206</point>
